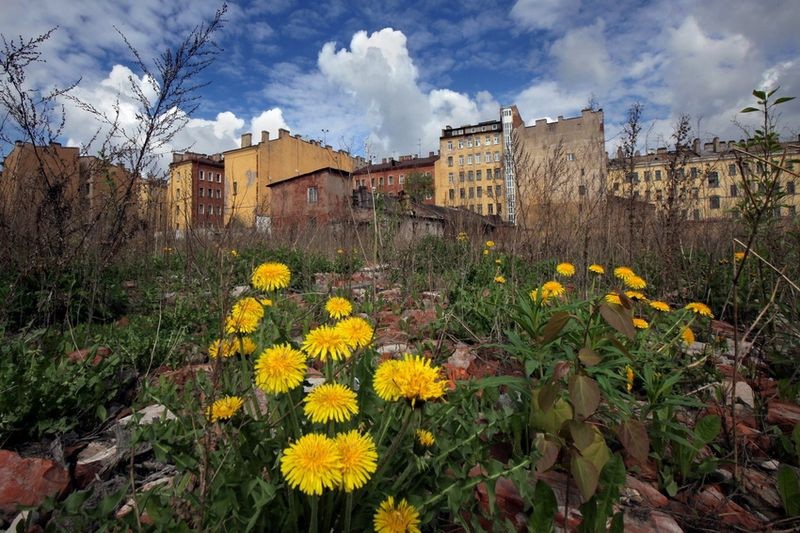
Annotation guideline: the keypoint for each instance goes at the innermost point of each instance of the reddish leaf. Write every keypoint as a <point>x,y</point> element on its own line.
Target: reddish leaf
<point>618,318</point>
<point>584,394</point>
<point>633,436</point>
<point>588,356</point>
<point>554,326</point>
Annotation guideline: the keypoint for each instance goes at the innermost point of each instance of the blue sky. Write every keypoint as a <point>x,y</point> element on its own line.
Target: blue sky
<point>385,77</point>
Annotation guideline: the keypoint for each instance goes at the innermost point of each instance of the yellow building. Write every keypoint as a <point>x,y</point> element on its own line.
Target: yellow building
<point>471,170</point>
<point>706,179</point>
<point>196,191</point>
<point>250,169</point>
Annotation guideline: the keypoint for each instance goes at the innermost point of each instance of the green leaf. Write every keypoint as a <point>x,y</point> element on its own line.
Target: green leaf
<point>584,394</point>
<point>617,523</point>
<point>707,429</point>
<point>554,326</point>
<point>551,420</point>
<point>783,99</point>
<point>789,490</point>
<point>582,434</point>
<point>597,452</point>
<point>760,94</point>
<point>748,110</point>
<point>586,475</point>
<point>618,318</point>
<point>588,356</point>
<point>633,436</point>
<point>544,508</point>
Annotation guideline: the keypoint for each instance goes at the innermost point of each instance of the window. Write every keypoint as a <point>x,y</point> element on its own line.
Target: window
<point>658,175</point>
<point>470,175</point>
<point>497,156</point>
<point>449,145</point>
<point>477,141</point>
<point>790,187</point>
<point>713,202</point>
<point>480,209</point>
<point>234,188</point>
<point>469,159</point>
<point>489,191</point>
<point>461,143</point>
<point>461,193</point>
<point>490,209</point>
<point>499,208</point>
<point>734,191</point>
<point>312,195</point>
<point>219,177</point>
<point>450,178</point>
<point>480,192</point>
<point>391,181</point>
<point>647,175</point>
<point>201,209</point>
<point>202,192</point>
<point>497,193</point>
<point>478,175</point>
<point>695,193</point>
<point>469,142</point>
<point>693,172</point>
<point>219,193</point>
<point>497,173</point>
<point>659,195</point>
<point>732,169</point>
<point>202,176</point>
<point>696,214</point>
<point>496,138</point>
<point>570,157</point>
<point>372,182</point>
<point>219,210</point>
<point>582,190</point>
<point>792,211</point>
<point>402,179</point>
<point>450,161</point>
<point>461,160</point>
<point>487,157</point>
<point>488,140</point>
<point>713,179</point>
<point>461,176</point>
<point>472,192</point>
<point>451,194</point>
<point>632,177</point>
<point>380,181</point>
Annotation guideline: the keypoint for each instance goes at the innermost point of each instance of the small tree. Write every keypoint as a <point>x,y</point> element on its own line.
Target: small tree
<point>419,186</point>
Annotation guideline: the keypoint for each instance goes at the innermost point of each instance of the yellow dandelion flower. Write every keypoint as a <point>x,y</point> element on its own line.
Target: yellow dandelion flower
<point>358,459</point>
<point>356,331</point>
<point>326,341</point>
<point>224,408</point>
<point>498,261</point>
<point>400,518</point>
<point>597,269</point>
<point>700,309</point>
<point>629,378</point>
<point>613,298</point>
<point>417,379</point>
<point>552,289</point>
<point>566,269</point>
<point>231,347</point>
<point>245,316</point>
<point>234,253</point>
<point>660,306</point>
<point>623,273</point>
<point>738,256</point>
<point>462,237</point>
<point>425,438</point>
<point>636,296</point>
<point>640,323</point>
<point>167,250</point>
<point>384,380</point>
<point>339,251</point>
<point>687,336</point>
<point>490,244</point>
<point>485,252</point>
<point>312,463</point>
<point>338,307</point>
<point>330,401</point>
<point>499,279</point>
<point>266,302</point>
<point>635,282</point>
<point>271,276</point>
<point>280,368</point>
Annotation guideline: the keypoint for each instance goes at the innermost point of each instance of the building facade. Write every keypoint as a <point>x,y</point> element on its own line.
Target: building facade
<point>319,197</point>
<point>702,181</point>
<point>251,169</point>
<point>390,176</point>
<point>196,192</point>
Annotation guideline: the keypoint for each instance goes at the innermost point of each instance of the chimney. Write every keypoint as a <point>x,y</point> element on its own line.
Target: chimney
<point>247,139</point>
<point>661,150</point>
<point>430,154</point>
<point>715,142</point>
<point>696,145</point>
<point>383,160</point>
<point>264,136</point>
<point>176,157</point>
<point>282,133</point>
<point>560,118</point>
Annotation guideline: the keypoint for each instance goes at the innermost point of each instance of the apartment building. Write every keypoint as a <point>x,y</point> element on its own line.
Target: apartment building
<point>704,181</point>
<point>319,197</point>
<point>390,175</point>
<point>196,194</point>
<point>252,168</point>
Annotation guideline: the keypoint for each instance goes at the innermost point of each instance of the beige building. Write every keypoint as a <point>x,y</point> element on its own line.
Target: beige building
<point>252,168</point>
<point>706,181</point>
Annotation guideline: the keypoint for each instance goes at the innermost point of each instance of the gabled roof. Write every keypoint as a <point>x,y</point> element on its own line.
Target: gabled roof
<point>331,170</point>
